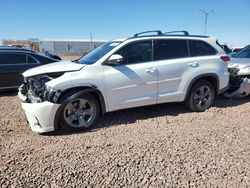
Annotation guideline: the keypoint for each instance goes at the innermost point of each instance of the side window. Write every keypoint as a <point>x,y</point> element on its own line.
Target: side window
<point>170,49</point>
<point>245,53</point>
<point>12,58</point>
<point>1,59</point>
<point>200,48</point>
<point>31,60</point>
<point>137,52</point>
<point>43,60</point>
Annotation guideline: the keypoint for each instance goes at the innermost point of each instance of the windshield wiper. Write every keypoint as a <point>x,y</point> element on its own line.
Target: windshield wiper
<point>75,61</point>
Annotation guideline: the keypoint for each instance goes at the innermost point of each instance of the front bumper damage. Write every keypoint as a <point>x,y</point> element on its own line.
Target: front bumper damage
<point>35,90</point>
<point>39,103</point>
<point>40,116</point>
<point>239,85</point>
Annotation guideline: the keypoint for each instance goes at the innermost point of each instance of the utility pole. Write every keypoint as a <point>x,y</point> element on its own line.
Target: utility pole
<point>206,13</point>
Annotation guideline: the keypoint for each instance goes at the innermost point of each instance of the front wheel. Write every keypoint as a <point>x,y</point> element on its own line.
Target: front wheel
<point>201,96</point>
<point>79,113</point>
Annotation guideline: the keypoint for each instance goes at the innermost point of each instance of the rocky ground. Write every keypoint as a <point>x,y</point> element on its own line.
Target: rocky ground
<point>156,146</point>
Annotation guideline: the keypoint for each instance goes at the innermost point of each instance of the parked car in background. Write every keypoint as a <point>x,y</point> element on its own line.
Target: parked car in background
<point>226,49</point>
<point>14,61</point>
<point>241,60</point>
<point>141,70</point>
<point>234,51</point>
<point>239,69</point>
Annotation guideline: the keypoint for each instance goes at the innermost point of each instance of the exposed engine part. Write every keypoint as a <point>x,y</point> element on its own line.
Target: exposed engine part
<point>239,86</point>
<point>36,90</point>
<point>242,91</point>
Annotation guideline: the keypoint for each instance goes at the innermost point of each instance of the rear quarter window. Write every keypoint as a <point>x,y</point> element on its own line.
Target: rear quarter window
<point>31,60</point>
<point>200,48</point>
<point>44,60</point>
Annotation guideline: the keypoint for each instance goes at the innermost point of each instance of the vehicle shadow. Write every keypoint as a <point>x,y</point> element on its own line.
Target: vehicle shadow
<point>8,93</point>
<point>129,116</point>
<point>222,102</point>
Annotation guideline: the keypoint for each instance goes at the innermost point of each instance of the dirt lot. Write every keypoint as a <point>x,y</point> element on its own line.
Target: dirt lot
<point>156,146</point>
<point>71,58</point>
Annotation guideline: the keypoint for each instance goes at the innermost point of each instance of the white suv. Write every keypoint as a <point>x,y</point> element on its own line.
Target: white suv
<point>142,70</point>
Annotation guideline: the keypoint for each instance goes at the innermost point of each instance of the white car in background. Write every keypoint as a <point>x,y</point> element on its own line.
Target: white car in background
<point>241,60</point>
<point>239,67</point>
<point>141,70</point>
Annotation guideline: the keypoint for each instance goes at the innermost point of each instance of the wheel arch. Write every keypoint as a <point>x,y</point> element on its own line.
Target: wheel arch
<point>80,90</point>
<point>210,77</point>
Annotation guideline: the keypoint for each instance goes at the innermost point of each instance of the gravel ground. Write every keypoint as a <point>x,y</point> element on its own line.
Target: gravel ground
<point>156,146</point>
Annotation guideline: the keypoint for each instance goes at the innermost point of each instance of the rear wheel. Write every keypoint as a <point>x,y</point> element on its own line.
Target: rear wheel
<point>79,113</point>
<point>201,96</point>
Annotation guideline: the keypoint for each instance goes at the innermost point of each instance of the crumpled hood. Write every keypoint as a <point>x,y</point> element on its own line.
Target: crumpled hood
<point>239,63</point>
<point>62,66</point>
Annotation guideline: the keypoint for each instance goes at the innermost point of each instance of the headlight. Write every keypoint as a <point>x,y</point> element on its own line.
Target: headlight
<point>37,83</point>
<point>50,94</point>
<point>38,91</point>
<point>244,71</point>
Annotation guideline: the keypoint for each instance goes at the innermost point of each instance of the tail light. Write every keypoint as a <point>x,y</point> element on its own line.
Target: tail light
<point>225,58</point>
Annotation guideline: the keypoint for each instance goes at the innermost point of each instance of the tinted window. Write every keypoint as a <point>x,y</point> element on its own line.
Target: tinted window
<point>31,59</point>
<point>12,58</point>
<point>43,59</point>
<point>200,48</point>
<point>137,52</point>
<point>170,49</point>
<point>245,53</point>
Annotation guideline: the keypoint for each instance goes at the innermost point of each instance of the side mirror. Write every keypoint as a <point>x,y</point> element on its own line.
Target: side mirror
<point>115,59</point>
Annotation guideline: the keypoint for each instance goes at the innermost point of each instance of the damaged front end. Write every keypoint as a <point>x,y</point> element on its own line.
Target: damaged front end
<point>35,90</point>
<point>239,85</point>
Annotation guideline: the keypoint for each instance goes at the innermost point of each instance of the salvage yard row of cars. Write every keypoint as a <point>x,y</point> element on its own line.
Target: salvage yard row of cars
<point>148,68</point>
<point>14,61</point>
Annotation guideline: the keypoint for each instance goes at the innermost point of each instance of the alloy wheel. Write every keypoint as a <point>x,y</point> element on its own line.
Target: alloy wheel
<point>79,113</point>
<point>203,97</point>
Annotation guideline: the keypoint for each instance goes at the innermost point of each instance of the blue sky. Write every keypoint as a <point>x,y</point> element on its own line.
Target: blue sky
<point>110,19</point>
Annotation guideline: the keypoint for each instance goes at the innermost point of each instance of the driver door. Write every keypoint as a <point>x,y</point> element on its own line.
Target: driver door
<point>133,82</point>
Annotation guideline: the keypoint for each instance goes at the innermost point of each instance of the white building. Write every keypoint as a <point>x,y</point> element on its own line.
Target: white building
<point>69,47</point>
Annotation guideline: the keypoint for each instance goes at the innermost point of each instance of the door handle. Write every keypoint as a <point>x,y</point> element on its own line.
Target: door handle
<point>193,64</point>
<point>150,70</point>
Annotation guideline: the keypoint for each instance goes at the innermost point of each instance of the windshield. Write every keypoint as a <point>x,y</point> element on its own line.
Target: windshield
<point>97,53</point>
<point>245,53</point>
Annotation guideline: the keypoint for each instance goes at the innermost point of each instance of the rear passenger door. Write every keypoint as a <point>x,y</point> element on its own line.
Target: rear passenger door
<point>12,65</point>
<point>172,57</point>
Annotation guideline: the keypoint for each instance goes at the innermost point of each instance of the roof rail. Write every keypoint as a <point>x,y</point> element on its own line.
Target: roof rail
<point>155,31</point>
<point>170,32</point>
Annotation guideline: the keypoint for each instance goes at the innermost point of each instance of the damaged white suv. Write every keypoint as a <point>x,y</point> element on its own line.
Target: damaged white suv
<point>142,70</point>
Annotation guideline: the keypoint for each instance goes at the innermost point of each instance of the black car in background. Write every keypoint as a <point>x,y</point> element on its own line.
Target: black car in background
<point>14,61</point>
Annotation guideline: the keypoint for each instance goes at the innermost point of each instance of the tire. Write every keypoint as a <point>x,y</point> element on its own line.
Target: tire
<point>201,96</point>
<point>78,112</point>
